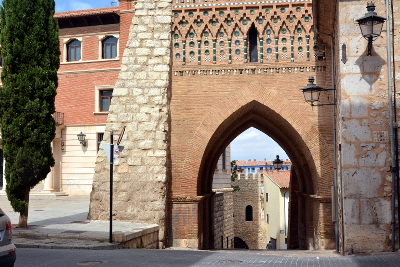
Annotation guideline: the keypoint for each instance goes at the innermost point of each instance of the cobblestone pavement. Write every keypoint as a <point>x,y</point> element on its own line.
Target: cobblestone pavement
<point>45,210</point>
<point>193,258</point>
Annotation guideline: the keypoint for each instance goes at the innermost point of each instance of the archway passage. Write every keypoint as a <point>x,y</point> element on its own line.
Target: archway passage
<point>298,129</point>
<point>239,243</point>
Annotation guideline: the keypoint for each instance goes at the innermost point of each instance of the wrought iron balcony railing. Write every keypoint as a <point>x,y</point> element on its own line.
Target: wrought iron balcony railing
<point>58,118</point>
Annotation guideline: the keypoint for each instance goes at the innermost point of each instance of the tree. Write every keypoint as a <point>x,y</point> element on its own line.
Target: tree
<point>234,174</point>
<point>30,52</point>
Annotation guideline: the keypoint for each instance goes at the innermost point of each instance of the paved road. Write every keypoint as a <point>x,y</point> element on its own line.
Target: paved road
<point>178,258</point>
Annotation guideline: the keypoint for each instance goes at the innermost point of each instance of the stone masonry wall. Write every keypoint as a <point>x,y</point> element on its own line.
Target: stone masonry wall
<point>249,194</point>
<point>223,218</point>
<point>140,102</point>
<point>364,135</point>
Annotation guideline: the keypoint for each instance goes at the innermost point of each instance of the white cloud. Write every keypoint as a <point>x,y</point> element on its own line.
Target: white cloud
<point>254,144</point>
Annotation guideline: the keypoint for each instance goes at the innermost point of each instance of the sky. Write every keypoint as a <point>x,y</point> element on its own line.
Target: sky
<point>251,144</point>
<point>70,5</point>
<point>254,144</point>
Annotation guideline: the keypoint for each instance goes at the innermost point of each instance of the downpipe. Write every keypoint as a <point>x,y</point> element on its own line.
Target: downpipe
<point>393,142</point>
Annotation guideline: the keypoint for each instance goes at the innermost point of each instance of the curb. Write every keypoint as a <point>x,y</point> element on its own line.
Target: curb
<point>91,247</point>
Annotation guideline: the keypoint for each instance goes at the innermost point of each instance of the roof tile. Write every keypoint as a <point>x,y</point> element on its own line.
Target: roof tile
<point>281,178</point>
<point>87,12</point>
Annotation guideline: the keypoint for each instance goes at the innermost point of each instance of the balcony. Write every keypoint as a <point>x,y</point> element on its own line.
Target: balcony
<point>58,118</point>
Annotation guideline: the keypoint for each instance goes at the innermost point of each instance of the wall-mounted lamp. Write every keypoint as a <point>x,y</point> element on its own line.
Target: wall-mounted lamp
<point>81,139</point>
<point>312,92</point>
<point>277,163</point>
<point>371,25</point>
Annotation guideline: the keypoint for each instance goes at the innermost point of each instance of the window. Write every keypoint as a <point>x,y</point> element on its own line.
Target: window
<point>249,213</point>
<point>105,99</point>
<point>224,160</point>
<point>267,218</point>
<point>261,169</point>
<point>266,196</point>
<point>110,47</point>
<point>253,46</point>
<point>102,99</point>
<point>74,50</point>
<point>253,170</point>
<point>100,137</point>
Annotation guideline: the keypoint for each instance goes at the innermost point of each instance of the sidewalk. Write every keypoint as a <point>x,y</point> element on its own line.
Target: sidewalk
<point>61,222</point>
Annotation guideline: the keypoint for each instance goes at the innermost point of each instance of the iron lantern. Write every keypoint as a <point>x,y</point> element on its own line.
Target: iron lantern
<point>311,92</point>
<point>277,163</point>
<point>81,139</point>
<point>371,25</point>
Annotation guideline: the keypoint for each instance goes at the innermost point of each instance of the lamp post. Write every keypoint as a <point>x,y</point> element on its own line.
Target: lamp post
<point>277,163</point>
<point>371,25</point>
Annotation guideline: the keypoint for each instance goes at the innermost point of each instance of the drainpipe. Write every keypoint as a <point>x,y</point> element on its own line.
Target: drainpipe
<point>335,181</point>
<point>396,132</point>
<point>392,135</point>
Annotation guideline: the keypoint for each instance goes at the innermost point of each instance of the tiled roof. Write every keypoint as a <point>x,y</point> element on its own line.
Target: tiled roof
<point>246,163</point>
<point>87,12</point>
<point>281,178</point>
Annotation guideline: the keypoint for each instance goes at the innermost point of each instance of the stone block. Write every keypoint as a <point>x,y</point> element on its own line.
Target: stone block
<point>163,19</point>
<point>349,151</point>
<point>145,35</point>
<point>359,107</point>
<point>142,99</point>
<point>375,211</point>
<point>353,129</point>
<point>161,52</point>
<point>120,92</point>
<point>357,84</point>
<point>147,126</point>
<point>361,183</point>
<point>125,117</point>
<point>147,144</point>
<point>377,105</point>
<point>345,108</point>
<point>161,67</point>
<point>141,12</point>
<point>365,238</point>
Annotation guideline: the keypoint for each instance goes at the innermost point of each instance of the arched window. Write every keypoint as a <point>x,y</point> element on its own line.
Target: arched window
<point>253,45</point>
<point>110,47</point>
<point>249,213</point>
<point>74,50</point>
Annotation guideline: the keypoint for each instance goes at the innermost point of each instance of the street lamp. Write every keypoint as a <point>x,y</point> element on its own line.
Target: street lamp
<point>371,25</point>
<point>312,92</point>
<point>277,163</point>
<point>81,139</point>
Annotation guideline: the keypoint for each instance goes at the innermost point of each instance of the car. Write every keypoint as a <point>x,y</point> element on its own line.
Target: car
<point>7,248</point>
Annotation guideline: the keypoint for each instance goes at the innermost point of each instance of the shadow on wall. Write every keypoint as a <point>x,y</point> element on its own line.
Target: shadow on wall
<point>370,68</point>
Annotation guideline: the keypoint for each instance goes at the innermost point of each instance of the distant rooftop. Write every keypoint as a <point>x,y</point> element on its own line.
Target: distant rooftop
<point>247,163</point>
<point>87,12</point>
<point>88,17</point>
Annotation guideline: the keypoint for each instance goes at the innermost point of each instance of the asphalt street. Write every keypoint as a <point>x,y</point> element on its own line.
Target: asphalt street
<point>146,257</point>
